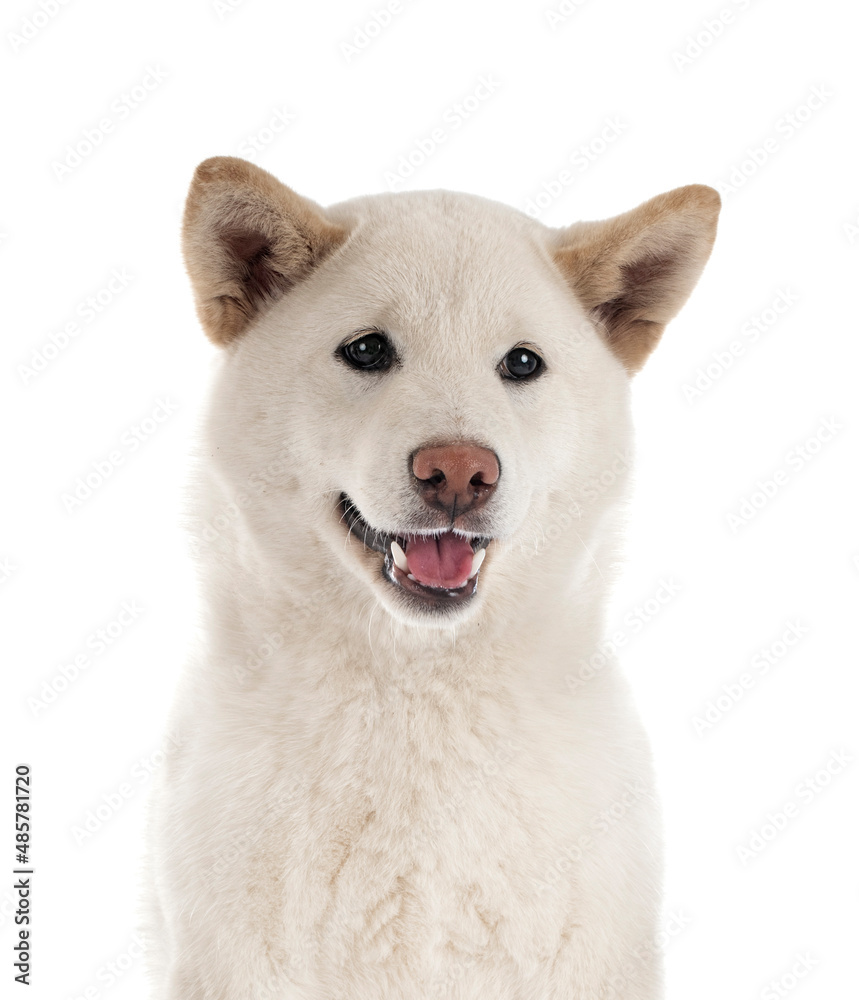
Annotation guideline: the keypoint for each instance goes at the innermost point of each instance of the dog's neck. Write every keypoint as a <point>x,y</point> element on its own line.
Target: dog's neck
<point>267,625</point>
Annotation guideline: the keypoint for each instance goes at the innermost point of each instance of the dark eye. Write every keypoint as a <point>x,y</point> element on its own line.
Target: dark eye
<point>521,363</point>
<point>369,352</point>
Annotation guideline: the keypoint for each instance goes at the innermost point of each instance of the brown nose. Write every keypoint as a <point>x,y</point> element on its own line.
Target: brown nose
<point>455,478</point>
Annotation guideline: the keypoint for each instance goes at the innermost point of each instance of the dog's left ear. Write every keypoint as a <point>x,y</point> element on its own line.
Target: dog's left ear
<point>247,239</point>
<point>634,272</point>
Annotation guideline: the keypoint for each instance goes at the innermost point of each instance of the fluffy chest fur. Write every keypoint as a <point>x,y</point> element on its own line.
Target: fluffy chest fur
<point>416,837</point>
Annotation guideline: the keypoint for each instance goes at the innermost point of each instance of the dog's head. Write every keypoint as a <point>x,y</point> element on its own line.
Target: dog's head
<point>420,387</point>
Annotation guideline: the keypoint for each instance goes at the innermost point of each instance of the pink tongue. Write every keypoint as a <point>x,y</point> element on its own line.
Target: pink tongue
<point>440,560</point>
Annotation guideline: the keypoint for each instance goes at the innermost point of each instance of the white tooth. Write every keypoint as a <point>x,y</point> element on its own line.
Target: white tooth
<point>477,562</point>
<point>399,557</point>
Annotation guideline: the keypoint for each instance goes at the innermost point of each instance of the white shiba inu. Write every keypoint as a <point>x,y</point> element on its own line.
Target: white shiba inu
<point>391,779</point>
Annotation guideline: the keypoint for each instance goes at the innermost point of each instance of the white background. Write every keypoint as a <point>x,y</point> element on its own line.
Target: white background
<point>790,229</point>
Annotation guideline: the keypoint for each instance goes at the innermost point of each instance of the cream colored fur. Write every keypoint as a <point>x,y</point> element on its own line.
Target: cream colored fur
<point>366,802</point>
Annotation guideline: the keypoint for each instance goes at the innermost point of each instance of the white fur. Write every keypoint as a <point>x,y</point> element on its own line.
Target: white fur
<point>362,804</point>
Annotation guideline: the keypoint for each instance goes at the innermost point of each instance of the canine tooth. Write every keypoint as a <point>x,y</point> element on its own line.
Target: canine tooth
<point>399,557</point>
<point>477,562</point>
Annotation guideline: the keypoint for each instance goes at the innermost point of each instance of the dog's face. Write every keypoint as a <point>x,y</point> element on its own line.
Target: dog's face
<point>419,385</point>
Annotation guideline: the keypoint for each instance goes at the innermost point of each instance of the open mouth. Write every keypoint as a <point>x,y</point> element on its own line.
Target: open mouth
<point>437,568</point>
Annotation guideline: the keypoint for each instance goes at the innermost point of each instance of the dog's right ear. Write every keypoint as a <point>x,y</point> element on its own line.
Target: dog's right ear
<point>247,239</point>
<point>634,272</point>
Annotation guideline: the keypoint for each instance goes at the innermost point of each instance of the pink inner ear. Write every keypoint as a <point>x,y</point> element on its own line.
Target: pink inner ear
<point>253,256</point>
<point>646,284</point>
<point>243,243</point>
<point>649,278</point>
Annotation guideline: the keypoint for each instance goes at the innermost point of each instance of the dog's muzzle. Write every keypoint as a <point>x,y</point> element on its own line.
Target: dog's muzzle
<point>439,568</point>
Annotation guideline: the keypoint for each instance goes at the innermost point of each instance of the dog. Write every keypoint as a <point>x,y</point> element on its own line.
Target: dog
<point>391,777</point>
